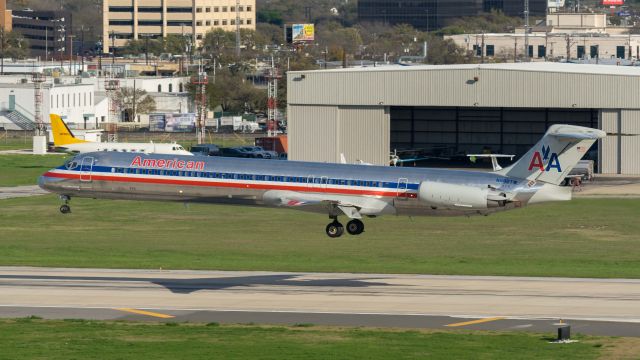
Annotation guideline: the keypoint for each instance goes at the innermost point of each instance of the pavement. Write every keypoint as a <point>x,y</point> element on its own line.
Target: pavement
<point>590,306</point>
<point>27,152</point>
<point>21,191</point>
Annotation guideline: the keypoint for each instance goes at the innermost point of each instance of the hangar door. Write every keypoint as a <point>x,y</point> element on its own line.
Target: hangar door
<point>440,131</point>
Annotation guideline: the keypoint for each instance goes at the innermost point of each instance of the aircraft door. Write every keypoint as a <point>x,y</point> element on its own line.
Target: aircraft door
<point>86,169</point>
<point>403,185</point>
<point>323,182</point>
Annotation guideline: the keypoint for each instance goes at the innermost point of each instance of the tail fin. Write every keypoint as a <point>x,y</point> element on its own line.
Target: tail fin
<point>553,157</point>
<point>61,134</point>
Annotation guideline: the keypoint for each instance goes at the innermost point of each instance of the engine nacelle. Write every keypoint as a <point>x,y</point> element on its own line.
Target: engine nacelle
<point>453,196</point>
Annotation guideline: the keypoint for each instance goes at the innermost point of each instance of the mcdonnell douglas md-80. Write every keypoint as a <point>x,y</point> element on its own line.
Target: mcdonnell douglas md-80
<point>355,191</point>
<point>63,139</point>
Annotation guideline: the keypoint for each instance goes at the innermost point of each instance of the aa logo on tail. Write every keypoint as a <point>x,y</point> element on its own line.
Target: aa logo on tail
<point>539,157</point>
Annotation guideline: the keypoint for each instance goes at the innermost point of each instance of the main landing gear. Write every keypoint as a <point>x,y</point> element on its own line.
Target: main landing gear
<point>335,228</point>
<point>65,209</point>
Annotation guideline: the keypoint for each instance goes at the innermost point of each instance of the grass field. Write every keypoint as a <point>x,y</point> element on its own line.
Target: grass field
<point>24,169</point>
<point>24,141</point>
<point>17,142</point>
<point>581,238</point>
<point>74,339</point>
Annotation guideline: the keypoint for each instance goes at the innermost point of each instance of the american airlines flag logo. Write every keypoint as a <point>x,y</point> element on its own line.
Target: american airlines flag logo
<point>294,203</point>
<point>582,149</point>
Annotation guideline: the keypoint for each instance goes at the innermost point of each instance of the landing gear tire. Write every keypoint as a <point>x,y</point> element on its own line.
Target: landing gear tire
<point>355,227</point>
<point>335,229</point>
<point>65,209</point>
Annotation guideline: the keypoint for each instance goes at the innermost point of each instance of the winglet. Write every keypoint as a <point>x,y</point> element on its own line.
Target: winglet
<point>61,134</point>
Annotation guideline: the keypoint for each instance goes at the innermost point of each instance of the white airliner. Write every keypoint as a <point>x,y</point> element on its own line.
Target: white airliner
<point>64,139</point>
<point>354,191</point>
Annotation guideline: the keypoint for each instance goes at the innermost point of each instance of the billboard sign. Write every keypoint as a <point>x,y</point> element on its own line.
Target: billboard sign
<point>612,2</point>
<point>172,122</point>
<point>157,122</point>
<point>180,122</point>
<point>555,3</point>
<point>302,32</point>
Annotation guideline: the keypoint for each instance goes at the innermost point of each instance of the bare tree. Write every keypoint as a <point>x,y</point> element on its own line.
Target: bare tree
<point>134,101</point>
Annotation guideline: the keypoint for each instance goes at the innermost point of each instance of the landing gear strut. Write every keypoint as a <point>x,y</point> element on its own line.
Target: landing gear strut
<point>355,227</point>
<point>65,209</point>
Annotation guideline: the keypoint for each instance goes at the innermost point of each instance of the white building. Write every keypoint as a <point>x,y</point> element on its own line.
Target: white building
<point>82,102</point>
<point>563,36</point>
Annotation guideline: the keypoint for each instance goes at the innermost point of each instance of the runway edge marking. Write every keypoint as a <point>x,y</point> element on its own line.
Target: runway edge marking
<point>472,322</point>
<point>148,313</point>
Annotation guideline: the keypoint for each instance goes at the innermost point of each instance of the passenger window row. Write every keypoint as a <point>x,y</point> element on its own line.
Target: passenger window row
<point>234,176</point>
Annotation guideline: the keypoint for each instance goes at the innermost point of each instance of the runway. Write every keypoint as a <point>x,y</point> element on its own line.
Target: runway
<point>591,306</point>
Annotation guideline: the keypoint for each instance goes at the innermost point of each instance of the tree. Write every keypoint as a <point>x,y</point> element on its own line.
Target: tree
<point>492,22</point>
<point>175,44</point>
<point>232,92</point>
<point>13,45</point>
<point>134,102</point>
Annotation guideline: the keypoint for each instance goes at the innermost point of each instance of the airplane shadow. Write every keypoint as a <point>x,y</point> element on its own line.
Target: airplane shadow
<point>187,286</point>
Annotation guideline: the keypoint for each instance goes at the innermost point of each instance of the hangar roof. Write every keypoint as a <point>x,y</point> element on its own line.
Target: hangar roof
<point>550,67</point>
<point>519,85</point>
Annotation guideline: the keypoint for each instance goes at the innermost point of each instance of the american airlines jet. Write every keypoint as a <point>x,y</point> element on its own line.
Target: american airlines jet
<point>354,191</point>
<point>64,139</point>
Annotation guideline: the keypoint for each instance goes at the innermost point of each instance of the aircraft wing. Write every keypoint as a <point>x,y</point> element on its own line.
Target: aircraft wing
<point>353,207</point>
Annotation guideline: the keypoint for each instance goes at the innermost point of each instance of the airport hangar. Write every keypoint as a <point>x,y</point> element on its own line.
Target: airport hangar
<point>366,113</point>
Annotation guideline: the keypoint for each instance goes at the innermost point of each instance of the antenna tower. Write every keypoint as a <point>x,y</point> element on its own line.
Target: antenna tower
<point>111,86</point>
<point>38,79</point>
<point>272,99</point>
<point>200,82</point>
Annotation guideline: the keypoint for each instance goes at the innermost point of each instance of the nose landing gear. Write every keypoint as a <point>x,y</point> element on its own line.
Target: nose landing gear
<point>65,209</point>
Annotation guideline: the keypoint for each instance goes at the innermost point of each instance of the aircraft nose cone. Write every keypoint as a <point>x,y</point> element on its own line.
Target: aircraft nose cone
<point>42,181</point>
<point>45,183</point>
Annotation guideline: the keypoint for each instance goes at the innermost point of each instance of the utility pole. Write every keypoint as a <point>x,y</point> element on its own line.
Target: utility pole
<point>526,30</point>
<point>238,28</point>
<point>2,49</point>
<point>82,45</point>
<point>70,52</point>
<point>146,49</point>
<point>482,49</point>
<point>133,103</point>
<point>113,48</point>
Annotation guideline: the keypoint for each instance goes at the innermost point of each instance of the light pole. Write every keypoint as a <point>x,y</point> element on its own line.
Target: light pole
<point>2,50</point>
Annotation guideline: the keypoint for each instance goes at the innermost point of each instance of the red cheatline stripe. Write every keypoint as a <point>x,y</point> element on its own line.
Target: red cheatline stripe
<point>234,185</point>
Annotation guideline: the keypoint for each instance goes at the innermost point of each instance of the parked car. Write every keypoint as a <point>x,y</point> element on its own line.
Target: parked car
<point>259,152</point>
<point>234,152</point>
<point>205,149</point>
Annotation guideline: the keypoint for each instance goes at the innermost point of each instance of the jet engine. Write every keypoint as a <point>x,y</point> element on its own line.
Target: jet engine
<point>453,196</point>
